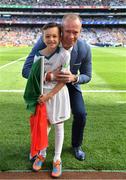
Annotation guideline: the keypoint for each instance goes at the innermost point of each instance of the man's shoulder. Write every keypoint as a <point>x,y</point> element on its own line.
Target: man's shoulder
<point>82,46</point>
<point>39,43</point>
<point>82,42</point>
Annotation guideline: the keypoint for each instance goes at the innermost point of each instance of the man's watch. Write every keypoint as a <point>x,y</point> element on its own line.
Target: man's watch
<point>76,79</point>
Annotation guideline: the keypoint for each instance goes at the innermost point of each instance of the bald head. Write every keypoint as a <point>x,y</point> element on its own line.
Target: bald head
<point>71,17</point>
<point>71,28</point>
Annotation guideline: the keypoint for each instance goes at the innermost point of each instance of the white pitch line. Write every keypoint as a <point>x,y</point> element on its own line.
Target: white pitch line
<point>105,91</point>
<point>12,90</point>
<point>1,67</point>
<point>121,102</point>
<point>83,91</point>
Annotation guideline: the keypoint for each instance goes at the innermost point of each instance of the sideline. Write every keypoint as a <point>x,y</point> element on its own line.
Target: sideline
<point>68,170</point>
<point>83,91</point>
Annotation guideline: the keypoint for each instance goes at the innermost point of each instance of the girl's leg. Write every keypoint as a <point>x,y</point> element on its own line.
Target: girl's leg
<point>43,151</point>
<point>49,128</point>
<point>41,157</point>
<point>59,138</point>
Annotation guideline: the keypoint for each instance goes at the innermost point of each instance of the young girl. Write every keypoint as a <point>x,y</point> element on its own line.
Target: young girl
<point>55,95</point>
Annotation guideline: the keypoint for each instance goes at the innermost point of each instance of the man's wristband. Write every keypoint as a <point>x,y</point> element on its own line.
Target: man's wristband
<point>76,79</point>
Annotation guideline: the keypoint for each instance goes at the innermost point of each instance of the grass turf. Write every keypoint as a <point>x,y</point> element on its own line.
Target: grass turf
<point>104,140</point>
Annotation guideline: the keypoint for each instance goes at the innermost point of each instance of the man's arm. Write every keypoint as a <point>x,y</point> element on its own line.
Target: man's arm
<point>29,60</point>
<point>85,70</point>
<point>86,67</point>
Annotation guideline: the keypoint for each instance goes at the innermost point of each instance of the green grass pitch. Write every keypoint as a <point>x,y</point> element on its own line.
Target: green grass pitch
<point>105,99</point>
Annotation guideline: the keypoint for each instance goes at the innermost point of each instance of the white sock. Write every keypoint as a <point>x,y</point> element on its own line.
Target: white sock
<point>48,129</point>
<point>43,153</point>
<point>59,138</point>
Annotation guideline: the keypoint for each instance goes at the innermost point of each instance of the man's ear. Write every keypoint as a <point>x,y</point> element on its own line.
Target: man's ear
<point>80,30</point>
<point>61,30</point>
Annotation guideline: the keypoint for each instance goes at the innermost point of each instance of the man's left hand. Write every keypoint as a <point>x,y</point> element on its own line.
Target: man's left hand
<point>65,77</point>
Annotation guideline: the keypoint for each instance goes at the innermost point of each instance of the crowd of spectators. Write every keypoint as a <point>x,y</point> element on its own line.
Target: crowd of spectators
<point>18,36</point>
<point>43,20</point>
<point>15,36</point>
<point>65,2</point>
<point>27,36</point>
<point>110,36</point>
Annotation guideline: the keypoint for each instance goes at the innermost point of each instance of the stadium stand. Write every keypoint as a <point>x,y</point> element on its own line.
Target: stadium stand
<point>65,2</point>
<point>15,36</point>
<point>104,22</point>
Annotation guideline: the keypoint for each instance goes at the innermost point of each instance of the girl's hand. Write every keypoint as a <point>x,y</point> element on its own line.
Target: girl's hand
<point>43,98</point>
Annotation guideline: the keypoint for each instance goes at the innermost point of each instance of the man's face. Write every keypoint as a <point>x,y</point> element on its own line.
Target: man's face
<point>70,32</point>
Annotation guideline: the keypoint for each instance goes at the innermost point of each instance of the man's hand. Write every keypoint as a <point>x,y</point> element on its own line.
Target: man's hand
<point>61,76</point>
<point>65,77</point>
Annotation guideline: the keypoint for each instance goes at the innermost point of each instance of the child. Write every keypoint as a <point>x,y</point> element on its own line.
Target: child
<point>55,95</point>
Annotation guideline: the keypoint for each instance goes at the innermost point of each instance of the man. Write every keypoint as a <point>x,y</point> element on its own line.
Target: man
<point>80,61</point>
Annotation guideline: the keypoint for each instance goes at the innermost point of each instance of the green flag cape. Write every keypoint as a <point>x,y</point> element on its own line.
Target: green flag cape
<point>32,90</point>
<point>38,120</point>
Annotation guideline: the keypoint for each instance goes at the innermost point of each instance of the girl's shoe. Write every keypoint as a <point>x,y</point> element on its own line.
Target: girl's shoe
<point>57,169</point>
<point>38,163</point>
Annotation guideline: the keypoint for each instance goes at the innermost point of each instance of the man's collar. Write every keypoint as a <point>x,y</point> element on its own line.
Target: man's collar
<point>61,45</point>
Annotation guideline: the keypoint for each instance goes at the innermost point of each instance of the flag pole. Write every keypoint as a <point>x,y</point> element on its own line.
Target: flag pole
<point>42,74</point>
